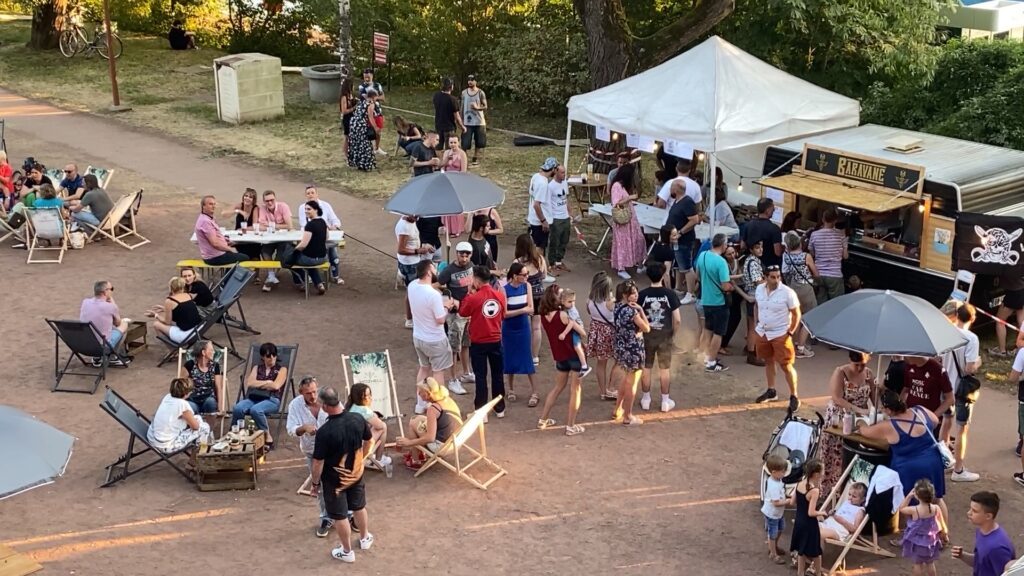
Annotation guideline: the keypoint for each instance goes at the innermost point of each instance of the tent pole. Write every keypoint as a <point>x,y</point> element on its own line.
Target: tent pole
<point>568,135</point>
<point>709,176</point>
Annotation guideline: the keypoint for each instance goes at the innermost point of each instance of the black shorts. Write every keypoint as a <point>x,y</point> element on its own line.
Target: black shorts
<point>570,365</point>
<point>660,347</point>
<point>473,134</point>
<point>339,502</point>
<point>540,236</point>
<point>963,412</point>
<point>716,319</point>
<point>1014,299</point>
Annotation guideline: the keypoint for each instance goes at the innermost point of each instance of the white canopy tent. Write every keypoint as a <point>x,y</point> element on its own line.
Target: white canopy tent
<point>715,98</point>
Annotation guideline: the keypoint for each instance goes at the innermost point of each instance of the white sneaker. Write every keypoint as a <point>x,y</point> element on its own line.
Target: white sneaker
<point>964,475</point>
<point>272,278</point>
<point>687,299</point>
<point>456,387</point>
<point>421,406</point>
<point>468,377</point>
<point>340,554</point>
<point>645,402</point>
<point>366,543</point>
<point>623,274</point>
<point>536,360</point>
<point>408,324</point>
<point>667,405</point>
<point>485,419</point>
<point>384,461</point>
<point>380,152</point>
<point>500,414</point>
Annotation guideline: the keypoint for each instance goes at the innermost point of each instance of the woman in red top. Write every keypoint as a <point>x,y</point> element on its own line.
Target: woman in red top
<point>485,307</point>
<point>554,319</point>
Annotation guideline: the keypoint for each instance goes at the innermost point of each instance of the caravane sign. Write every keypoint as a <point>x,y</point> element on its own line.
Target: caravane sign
<point>875,173</point>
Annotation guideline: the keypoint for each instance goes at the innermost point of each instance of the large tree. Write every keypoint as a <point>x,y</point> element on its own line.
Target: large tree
<point>47,22</point>
<point>615,52</point>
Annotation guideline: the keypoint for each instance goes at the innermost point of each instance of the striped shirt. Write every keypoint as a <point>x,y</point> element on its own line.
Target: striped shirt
<point>827,245</point>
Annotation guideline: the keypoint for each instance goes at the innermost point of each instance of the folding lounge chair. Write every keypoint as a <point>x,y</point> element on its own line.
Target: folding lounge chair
<point>220,356</point>
<point>216,316</point>
<point>85,342</point>
<point>138,428</point>
<point>228,294</point>
<point>286,355</point>
<point>6,231</point>
<point>46,224</point>
<point>859,470</point>
<point>102,175</point>
<point>119,224</point>
<point>458,442</point>
<point>56,176</point>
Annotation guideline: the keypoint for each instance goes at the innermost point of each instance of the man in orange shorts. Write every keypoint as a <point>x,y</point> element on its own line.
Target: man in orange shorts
<point>776,319</point>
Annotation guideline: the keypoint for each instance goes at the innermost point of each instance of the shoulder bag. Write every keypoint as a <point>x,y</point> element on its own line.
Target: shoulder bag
<point>944,452</point>
<point>622,213</point>
<point>790,278</point>
<point>967,385</point>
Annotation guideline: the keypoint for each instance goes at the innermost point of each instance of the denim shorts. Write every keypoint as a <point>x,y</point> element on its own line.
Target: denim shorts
<point>408,272</point>
<point>774,527</point>
<point>684,257</point>
<point>963,412</point>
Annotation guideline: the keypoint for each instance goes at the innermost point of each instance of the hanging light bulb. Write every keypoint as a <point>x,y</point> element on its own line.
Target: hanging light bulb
<point>920,206</point>
<point>615,136</point>
<point>739,188</point>
<point>700,157</point>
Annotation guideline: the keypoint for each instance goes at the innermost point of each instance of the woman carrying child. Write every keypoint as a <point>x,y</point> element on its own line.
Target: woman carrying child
<point>806,541</point>
<point>556,322</point>
<point>921,539</point>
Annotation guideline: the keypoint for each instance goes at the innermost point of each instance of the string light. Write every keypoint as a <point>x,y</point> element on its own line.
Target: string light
<point>739,188</point>
<point>615,136</point>
<point>920,206</point>
<point>700,157</point>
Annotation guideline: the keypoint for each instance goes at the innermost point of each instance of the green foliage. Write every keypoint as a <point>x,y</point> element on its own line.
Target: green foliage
<point>291,35</point>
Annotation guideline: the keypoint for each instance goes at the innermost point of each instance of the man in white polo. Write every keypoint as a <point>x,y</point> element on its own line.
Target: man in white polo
<point>776,319</point>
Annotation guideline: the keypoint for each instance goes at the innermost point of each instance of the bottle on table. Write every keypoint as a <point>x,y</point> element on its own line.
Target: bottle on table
<point>847,422</point>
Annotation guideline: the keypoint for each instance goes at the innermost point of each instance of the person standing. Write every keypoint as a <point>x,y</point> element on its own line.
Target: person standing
<point>363,132</point>
<point>799,272</point>
<point>828,246</point>
<point>715,282</point>
<point>474,104</point>
<point>340,446</point>
<point>214,247</point>
<point>665,199</point>
<point>959,363</point>
<point>305,417</point>
<point>447,116</point>
<point>457,278</point>
<point>661,306</point>
<point>628,246</point>
<point>561,216</point>
<point>926,383</point>
<point>409,253</point>
<point>776,319</point>
<point>993,548</point>
<point>429,313</point>
<point>371,90</point>
<point>1017,375</point>
<point>538,214</point>
<point>516,334</point>
<point>763,230</point>
<point>485,307</point>
<point>555,320</point>
<point>346,108</point>
<point>684,217</point>
<point>628,346</point>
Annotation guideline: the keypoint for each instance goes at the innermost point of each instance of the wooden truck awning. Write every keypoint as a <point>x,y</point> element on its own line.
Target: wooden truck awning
<point>837,193</point>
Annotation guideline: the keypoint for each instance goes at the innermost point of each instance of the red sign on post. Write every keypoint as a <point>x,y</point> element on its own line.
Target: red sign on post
<point>381,44</point>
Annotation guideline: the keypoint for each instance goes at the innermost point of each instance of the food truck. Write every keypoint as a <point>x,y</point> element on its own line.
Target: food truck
<point>898,195</point>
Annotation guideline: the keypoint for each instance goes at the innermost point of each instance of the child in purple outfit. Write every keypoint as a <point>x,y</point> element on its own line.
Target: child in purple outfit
<point>921,538</point>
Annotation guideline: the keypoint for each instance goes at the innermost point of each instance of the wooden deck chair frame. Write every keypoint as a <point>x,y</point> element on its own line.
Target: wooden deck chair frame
<point>103,175</point>
<point>42,224</point>
<point>286,352</point>
<point>459,441</point>
<point>56,176</point>
<point>216,316</point>
<point>84,340</point>
<point>388,405</point>
<point>137,425</point>
<point>6,231</point>
<point>114,227</point>
<point>219,355</point>
<point>856,541</point>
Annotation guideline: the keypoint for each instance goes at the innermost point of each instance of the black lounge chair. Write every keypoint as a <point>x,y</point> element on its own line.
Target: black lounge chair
<point>228,294</point>
<point>86,343</point>
<point>138,428</point>
<point>215,316</point>
<point>286,355</point>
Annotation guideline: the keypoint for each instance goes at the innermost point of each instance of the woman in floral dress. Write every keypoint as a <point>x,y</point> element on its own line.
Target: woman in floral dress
<point>628,246</point>
<point>851,385</point>
<point>628,349</point>
<point>362,133</point>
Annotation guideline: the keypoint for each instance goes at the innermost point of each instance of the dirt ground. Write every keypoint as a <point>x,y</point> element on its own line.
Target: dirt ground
<point>676,496</point>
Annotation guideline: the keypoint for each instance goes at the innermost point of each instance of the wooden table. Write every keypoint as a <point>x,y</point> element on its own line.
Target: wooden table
<point>880,445</point>
<point>234,468</point>
<point>135,338</point>
<point>580,182</point>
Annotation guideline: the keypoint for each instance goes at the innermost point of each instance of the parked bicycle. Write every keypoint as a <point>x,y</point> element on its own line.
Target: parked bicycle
<point>74,40</point>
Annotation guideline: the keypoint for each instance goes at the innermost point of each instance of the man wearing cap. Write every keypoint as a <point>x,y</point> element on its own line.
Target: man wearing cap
<point>538,213</point>
<point>378,110</point>
<point>333,223</point>
<point>446,113</point>
<point>457,277</point>
<point>561,215</point>
<point>474,103</point>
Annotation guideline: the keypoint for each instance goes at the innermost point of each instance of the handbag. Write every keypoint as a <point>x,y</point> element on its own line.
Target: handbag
<point>944,451</point>
<point>622,213</point>
<point>967,385</point>
<point>258,395</point>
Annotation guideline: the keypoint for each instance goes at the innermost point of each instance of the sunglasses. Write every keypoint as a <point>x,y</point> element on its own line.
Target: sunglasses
<point>68,171</point>
<point>773,268</point>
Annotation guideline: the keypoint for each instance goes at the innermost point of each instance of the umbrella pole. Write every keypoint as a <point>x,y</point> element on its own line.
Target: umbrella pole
<point>875,393</point>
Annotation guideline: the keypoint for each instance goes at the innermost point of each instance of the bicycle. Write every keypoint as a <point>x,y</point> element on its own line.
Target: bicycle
<point>73,41</point>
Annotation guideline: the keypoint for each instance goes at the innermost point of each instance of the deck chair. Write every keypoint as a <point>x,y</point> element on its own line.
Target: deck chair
<point>56,176</point>
<point>103,175</point>
<point>46,224</point>
<point>859,470</point>
<point>138,428</point>
<point>286,355</point>
<point>374,370</point>
<point>6,230</point>
<point>119,224</point>
<point>85,342</point>
<point>216,316</point>
<point>459,442</point>
<point>228,294</point>
<point>220,356</point>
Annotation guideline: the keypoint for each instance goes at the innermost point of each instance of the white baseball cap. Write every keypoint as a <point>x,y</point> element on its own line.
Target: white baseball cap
<point>463,247</point>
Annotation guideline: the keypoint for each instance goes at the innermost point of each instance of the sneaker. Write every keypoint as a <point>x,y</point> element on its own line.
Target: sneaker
<point>585,370</point>
<point>486,419</point>
<point>667,405</point>
<point>687,299</point>
<point>623,274</point>
<point>380,152</point>
<point>366,543</point>
<point>340,554</point>
<point>769,394</point>
<point>408,324</point>
<point>645,402</point>
<point>542,424</point>
<point>633,420</point>
<point>115,361</point>
<point>474,162</point>
<point>1018,477</point>
<point>794,403</point>
<point>324,529</point>
<point>467,377</point>
<point>964,475</point>
<point>500,414</point>
<point>421,406</point>
<point>267,287</point>
<point>385,460</point>
<point>536,360</point>
<point>1020,444</point>
<point>716,367</point>
<point>804,352</point>
<point>456,387</point>
<point>272,279</point>
<point>574,430</point>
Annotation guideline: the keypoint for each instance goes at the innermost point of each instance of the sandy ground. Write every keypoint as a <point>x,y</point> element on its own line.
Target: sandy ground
<point>678,495</point>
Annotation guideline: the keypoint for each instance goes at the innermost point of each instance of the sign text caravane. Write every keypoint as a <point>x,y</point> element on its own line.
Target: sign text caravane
<point>879,174</point>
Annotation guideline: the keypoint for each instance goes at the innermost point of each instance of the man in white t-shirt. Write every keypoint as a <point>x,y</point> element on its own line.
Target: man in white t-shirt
<point>538,213</point>
<point>776,319</point>
<point>433,351</point>
<point>410,252</point>
<point>561,216</point>
<point>958,363</point>
<point>333,223</point>
<point>665,199</point>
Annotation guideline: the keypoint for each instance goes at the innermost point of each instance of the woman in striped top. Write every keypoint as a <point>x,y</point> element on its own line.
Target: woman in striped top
<point>516,332</point>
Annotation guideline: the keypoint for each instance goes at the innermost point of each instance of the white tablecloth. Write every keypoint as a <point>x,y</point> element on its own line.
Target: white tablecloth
<point>653,218</point>
<point>236,236</point>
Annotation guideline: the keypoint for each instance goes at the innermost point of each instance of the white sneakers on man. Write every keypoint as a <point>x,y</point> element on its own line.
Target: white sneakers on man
<point>687,299</point>
<point>339,553</point>
<point>366,543</point>
<point>456,387</point>
<point>964,475</point>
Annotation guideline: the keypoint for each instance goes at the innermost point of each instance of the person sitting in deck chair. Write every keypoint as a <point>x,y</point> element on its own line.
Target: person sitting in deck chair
<point>845,519</point>
<point>94,205</point>
<point>264,387</point>
<point>432,429</point>
<point>359,400</point>
<point>103,313</point>
<point>174,425</point>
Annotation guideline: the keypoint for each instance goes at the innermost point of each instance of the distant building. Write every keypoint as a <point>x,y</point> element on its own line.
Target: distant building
<point>986,19</point>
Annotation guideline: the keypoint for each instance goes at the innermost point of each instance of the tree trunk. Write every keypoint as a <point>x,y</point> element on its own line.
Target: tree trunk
<point>345,38</point>
<point>47,22</point>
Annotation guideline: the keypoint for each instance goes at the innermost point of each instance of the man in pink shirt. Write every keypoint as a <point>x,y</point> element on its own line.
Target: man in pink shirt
<point>214,247</point>
<point>274,216</point>
<point>103,313</point>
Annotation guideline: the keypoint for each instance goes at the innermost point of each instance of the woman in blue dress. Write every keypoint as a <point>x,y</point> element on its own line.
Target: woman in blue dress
<point>516,332</point>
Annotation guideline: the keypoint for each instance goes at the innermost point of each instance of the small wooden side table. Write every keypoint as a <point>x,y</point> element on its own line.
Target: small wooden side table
<point>135,339</point>
<point>234,468</point>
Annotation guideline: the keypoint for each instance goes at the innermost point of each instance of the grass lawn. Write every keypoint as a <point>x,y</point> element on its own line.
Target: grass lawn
<point>173,93</point>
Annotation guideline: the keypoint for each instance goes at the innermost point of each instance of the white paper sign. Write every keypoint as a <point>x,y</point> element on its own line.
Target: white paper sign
<point>777,215</point>
<point>646,143</point>
<point>632,140</point>
<point>602,133</point>
<point>678,149</point>
<point>775,194</point>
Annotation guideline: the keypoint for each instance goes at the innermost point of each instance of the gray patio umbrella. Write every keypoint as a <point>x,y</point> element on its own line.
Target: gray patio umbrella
<point>445,194</point>
<point>33,452</point>
<point>883,322</point>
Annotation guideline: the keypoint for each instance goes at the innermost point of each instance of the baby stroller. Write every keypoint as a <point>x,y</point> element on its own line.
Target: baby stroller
<point>796,440</point>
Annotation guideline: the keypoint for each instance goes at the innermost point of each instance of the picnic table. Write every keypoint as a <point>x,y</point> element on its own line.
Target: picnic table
<point>263,237</point>
<point>651,219</point>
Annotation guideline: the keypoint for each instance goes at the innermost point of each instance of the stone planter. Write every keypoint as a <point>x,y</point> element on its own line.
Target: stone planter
<point>324,82</point>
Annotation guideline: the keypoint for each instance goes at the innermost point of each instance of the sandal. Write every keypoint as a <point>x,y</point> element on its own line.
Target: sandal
<point>534,400</point>
<point>610,395</point>
<point>542,424</point>
<point>633,420</point>
<point>511,396</point>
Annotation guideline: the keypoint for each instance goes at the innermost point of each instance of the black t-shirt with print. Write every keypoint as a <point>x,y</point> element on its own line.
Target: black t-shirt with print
<point>658,303</point>
<point>457,279</point>
<point>768,234</point>
<point>339,443</point>
<point>445,107</point>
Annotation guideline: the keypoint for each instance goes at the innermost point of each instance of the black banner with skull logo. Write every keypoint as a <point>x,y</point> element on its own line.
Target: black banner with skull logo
<point>986,244</point>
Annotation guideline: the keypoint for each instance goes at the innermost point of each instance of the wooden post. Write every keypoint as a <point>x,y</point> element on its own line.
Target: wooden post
<point>111,65</point>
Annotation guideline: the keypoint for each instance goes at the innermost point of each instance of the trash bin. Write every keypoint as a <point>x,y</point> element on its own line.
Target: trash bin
<point>249,87</point>
<point>883,520</point>
<point>324,82</point>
